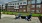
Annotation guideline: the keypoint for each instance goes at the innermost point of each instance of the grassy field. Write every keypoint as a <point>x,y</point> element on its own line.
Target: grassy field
<point>23,14</point>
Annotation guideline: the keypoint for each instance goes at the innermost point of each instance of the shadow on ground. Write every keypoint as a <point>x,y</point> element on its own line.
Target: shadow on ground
<point>40,18</point>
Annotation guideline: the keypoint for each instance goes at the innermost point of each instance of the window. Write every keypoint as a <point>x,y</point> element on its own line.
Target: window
<point>17,6</point>
<point>38,1</point>
<point>20,6</point>
<point>29,2</point>
<point>9,7</point>
<point>14,6</point>
<point>33,6</point>
<point>24,10</point>
<point>21,3</point>
<point>17,10</point>
<point>24,2</point>
<point>33,2</point>
<point>15,3</point>
<point>32,11</point>
<point>20,10</point>
<point>38,6</point>
<point>24,6</point>
<point>28,6</point>
<point>37,11</point>
<point>10,4</point>
<point>14,10</point>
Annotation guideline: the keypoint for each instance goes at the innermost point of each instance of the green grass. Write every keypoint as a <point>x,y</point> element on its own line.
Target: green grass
<point>35,14</point>
<point>23,14</point>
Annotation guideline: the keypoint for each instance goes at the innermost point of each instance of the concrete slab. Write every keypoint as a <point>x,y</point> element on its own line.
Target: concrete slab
<point>5,15</point>
<point>12,20</point>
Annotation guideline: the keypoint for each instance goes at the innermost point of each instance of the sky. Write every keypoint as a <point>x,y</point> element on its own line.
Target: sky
<point>5,1</point>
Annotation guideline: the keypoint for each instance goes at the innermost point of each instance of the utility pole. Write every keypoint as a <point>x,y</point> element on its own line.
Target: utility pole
<point>29,5</point>
<point>35,6</point>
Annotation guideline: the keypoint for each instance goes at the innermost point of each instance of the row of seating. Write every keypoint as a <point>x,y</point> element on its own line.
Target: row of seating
<point>24,17</point>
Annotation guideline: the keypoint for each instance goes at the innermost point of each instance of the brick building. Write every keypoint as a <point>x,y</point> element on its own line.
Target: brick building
<point>24,6</point>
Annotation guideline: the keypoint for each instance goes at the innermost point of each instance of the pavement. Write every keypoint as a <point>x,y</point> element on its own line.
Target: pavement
<point>9,16</point>
<point>10,19</point>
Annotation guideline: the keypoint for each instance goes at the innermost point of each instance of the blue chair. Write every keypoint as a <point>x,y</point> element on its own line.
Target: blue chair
<point>29,17</point>
<point>18,16</point>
